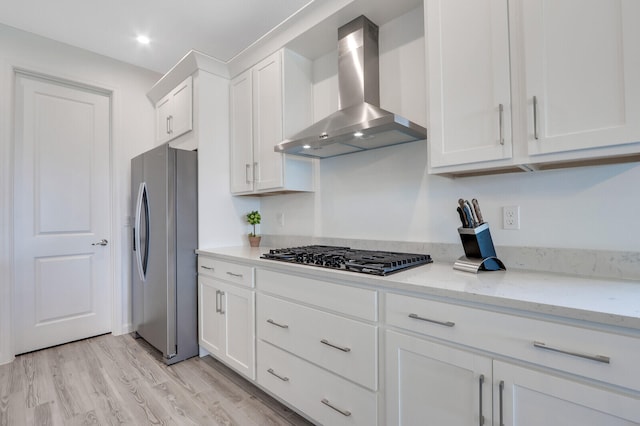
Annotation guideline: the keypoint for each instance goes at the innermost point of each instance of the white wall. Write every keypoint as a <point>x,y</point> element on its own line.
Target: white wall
<point>221,216</point>
<point>386,194</point>
<point>133,127</point>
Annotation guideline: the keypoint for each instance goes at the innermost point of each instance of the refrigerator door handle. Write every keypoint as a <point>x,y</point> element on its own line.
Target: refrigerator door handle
<point>142,189</point>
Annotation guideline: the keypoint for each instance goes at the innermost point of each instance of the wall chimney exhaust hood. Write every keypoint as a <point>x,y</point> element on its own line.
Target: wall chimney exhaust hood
<point>360,124</point>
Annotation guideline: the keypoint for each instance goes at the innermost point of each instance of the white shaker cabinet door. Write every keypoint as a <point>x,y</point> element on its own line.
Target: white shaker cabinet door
<point>174,112</point>
<point>227,323</point>
<point>582,66</point>
<point>211,322</point>
<point>182,109</point>
<point>529,397</point>
<point>163,115</point>
<point>267,122</point>
<point>433,384</point>
<point>238,307</point>
<point>468,81</point>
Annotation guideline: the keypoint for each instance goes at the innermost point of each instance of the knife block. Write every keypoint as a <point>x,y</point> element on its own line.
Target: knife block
<point>479,250</point>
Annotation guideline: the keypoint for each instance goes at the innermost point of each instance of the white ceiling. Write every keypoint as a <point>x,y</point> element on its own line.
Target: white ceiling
<point>219,28</point>
<point>222,29</point>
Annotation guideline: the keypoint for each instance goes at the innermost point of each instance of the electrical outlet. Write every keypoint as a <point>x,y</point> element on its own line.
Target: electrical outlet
<point>280,219</point>
<point>511,217</point>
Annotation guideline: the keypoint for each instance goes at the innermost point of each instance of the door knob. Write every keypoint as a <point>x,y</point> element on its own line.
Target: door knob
<point>102,242</point>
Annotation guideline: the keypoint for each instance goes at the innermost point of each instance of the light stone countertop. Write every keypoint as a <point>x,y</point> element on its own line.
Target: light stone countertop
<point>609,302</point>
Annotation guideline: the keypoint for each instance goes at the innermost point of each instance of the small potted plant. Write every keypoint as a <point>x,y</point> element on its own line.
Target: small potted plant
<point>254,219</point>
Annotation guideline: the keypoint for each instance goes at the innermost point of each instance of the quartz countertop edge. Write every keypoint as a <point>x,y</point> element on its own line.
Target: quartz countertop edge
<point>610,302</point>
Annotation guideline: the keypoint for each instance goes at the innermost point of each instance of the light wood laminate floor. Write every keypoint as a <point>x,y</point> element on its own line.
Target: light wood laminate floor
<point>112,380</point>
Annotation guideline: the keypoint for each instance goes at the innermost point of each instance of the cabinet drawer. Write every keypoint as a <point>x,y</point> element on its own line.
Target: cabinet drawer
<point>305,387</point>
<point>344,346</point>
<point>569,348</point>
<point>228,271</point>
<point>357,302</point>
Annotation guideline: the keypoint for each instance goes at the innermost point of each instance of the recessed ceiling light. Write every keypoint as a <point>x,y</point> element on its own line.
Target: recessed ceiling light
<point>142,39</point>
<point>358,134</point>
<point>306,146</point>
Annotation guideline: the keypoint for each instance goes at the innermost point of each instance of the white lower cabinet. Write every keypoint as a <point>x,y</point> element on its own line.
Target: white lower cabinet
<point>339,344</point>
<point>477,367</point>
<point>226,316</point>
<point>532,397</point>
<point>433,384</point>
<point>318,347</point>
<point>325,397</point>
<point>315,343</point>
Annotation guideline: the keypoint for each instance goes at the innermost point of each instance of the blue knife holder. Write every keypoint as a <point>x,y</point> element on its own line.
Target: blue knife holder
<point>480,254</point>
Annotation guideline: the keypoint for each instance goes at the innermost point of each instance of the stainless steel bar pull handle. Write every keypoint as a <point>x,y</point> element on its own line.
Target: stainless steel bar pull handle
<point>480,384</point>
<point>246,173</point>
<point>234,275</point>
<point>283,378</point>
<point>171,124</point>
<point>599,358</point>
<point>222,311</point>
<point>501,391</point>
<point>256,172</point>
<point>535,117</point>
<point>270,321</point>
<point>217,301</point>
<point>102,242</point>
<point>501,122</point>
<point>444,323</point>
<point>168,131</point>
<point>340,348</point>
<point>328,404</point>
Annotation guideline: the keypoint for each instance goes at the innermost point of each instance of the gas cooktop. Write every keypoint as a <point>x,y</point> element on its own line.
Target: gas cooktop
<point>348,259</point>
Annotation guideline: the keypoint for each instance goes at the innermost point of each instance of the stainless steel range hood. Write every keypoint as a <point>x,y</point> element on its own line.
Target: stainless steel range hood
<point>360,124</point>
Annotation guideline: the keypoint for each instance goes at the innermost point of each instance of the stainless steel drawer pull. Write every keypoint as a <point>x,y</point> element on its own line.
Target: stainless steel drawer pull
<point>599,358</point>
<point>218,301</point>
<point>283,378</point>
<point>328,404</point>
<point>270,321</point>
<point>445,323</point>
<point>341,348</point>
<point>208,268</point>
<point>234,275</point>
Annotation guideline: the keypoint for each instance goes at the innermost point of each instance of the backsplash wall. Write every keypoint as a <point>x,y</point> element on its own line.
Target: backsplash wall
<point>386,194</point>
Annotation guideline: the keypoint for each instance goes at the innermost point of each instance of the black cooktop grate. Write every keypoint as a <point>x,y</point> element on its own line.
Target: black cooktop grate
<point>345,258</point>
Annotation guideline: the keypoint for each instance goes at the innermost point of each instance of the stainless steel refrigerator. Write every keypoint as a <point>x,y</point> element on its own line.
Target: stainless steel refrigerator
<point>165,237</point>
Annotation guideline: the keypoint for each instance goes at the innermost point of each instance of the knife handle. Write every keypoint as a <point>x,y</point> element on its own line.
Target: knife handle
<point>462,218</point>
<point>476,207</point>
<point>469,216</point>
<point>474,219</point>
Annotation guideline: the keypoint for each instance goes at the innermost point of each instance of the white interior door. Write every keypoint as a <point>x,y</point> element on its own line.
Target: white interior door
<point>62,214</point>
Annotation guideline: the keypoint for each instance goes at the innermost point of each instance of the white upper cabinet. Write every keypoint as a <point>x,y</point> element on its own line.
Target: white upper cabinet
<point>267,119</point>
<point>582,65</point>
<point>532,84</point>
<point>268,103</point>
<point>174,112</point>
<point>469,81</point>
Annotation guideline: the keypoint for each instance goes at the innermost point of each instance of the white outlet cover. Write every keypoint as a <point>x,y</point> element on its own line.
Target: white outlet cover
<point>511,217</point>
